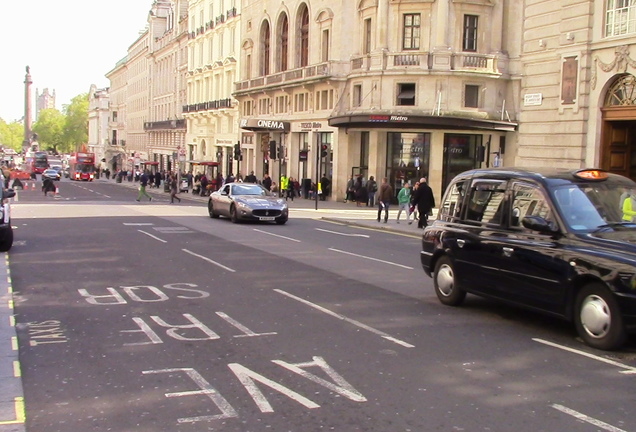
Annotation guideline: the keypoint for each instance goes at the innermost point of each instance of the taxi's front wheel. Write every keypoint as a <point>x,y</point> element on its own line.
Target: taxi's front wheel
<point>445,285</point>
<point>598,318</point>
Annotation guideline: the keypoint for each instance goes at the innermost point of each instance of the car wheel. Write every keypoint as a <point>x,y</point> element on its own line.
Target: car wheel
<point>211,210</point>
<point>446,287</point>
<point>281,221</point>
<point>7,240</point>
<point>233,215</point>
<point>598,318</point>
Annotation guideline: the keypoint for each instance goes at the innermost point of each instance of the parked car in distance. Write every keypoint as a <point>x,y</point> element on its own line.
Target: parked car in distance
<point>51,173</point>
<point>247,201</point>
<point>561,242</point>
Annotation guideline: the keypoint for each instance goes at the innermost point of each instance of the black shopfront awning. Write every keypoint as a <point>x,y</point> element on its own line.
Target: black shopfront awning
<point>264,125</point>
<point>396,121</point>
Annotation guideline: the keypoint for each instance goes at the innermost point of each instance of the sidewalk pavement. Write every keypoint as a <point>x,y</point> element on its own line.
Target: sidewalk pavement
<point>334,211</point>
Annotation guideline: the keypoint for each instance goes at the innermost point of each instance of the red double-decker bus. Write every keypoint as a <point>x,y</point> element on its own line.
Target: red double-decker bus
<point>81,166</point>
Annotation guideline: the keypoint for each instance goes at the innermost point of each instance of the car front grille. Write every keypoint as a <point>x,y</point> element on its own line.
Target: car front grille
<point>266,213</point>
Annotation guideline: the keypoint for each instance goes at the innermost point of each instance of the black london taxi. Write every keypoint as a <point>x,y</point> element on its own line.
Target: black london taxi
<point>561,242</point>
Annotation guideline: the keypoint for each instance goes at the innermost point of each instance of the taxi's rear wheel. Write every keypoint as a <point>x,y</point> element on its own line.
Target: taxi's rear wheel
<point>233,214</point>
<point>598,318</point>
<point>7,239</point>
<point>445,285</point>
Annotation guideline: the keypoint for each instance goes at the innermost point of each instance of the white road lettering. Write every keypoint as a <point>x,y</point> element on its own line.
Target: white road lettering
<point>145,329</point>
<point>113,298</point>
<point>176,287</point>
<point>370,258</point>
<point>586,418</point>
<point>349,320</point>
<point>629,369</point>
<point>131,291</point>
<point>46,332</point>
<point>205,389</point>
<point>247,378</point>
<point>195,324</point>
<point>342,234</point>
<point>134,293</point>
<point>276,235</point>
<point>209,260</point>
<point>154,237</point>
<point>246,332</point>
<point>342,388</point>
<point>138,224</point>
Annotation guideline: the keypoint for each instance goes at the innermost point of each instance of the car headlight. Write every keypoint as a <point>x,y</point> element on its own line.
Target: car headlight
<point>242,205</point>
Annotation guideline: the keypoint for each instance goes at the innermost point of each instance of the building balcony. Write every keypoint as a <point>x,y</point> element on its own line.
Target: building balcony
<point>165,125</point>
<point>318,72</point>
<point>430,61</point>
<point>207,106</point>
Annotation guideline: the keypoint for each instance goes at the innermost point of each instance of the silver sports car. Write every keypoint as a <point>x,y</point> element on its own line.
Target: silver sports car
<point>247,201</point>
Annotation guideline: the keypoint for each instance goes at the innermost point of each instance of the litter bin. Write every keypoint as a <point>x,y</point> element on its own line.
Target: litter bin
<point>166,186</point>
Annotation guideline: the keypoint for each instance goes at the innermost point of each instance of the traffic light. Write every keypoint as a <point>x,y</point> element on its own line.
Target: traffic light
<point>273,154</point>
<point>237,151</point>
<point>324,150</point>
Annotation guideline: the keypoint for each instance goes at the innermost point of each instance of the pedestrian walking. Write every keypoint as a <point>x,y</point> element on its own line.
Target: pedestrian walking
<point>174,188</point>
<point>143,182</point>
<point>385,195</point>
<point>350,190</point>
<point>413,207</point>
<point>404,202</point>
<point>372,188</point>
<point>425,201</point>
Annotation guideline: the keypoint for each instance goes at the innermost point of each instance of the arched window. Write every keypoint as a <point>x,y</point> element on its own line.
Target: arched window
<point>265,48</point>
<point>304,36</point>
<point>622,92</point>
<point>283,42</point>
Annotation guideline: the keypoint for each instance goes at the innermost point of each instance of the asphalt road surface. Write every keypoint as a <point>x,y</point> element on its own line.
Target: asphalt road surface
<point>154,317</point>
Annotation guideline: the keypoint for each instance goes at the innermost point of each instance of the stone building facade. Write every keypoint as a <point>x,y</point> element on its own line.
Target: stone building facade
<point>422,88</point>
<point>578,88</point>
<point>98,119</point>
<point>115,154</point>
<point>167,55</point>
<point>44,100</point>
<point>211,112</point>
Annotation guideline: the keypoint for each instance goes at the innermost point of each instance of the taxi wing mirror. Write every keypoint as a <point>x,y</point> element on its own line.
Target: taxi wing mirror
<point>537,223</point>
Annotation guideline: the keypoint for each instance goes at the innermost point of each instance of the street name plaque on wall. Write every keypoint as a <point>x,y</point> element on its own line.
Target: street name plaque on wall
<point>533,99</point>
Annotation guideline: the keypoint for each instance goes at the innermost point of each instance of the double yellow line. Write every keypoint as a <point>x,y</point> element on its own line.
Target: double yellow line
<point>18,402</point>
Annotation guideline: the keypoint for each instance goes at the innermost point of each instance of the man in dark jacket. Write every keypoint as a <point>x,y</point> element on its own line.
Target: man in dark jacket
<point>385,195</point>
<point>425,202</point>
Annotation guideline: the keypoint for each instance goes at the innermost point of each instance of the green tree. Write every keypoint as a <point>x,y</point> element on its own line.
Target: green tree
<point>11,135</point>
<point>50,129</point>
<point>76,127</point>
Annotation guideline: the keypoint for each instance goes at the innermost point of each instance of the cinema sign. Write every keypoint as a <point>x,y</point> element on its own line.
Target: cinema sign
<point>254,124</point>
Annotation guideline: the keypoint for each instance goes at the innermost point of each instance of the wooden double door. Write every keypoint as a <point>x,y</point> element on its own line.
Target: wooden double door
<point>618,152</point>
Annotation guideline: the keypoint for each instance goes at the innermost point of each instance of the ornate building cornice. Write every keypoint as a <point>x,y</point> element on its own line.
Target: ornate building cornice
<point>620,63</point>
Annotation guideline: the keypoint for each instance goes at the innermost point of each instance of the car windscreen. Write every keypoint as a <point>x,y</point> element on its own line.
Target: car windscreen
<point>248,190</point>
<point>595,205</point>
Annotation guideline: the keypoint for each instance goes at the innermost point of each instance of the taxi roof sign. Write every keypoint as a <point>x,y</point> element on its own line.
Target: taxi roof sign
<point>591,174</point>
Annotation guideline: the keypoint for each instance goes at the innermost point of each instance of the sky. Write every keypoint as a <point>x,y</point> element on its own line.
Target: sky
<point>68,44</point>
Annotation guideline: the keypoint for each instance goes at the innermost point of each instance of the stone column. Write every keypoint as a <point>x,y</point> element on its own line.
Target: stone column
<point>27,110</point>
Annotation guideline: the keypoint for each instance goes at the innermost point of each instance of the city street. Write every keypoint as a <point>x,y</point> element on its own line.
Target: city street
<point>151,317</point>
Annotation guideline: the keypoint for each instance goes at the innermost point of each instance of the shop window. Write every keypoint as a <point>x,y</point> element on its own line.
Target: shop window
<point>406,94</point>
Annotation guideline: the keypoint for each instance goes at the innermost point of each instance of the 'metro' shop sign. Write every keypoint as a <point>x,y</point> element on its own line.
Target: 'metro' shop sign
<point>264,124</point>
<point>387,118</point>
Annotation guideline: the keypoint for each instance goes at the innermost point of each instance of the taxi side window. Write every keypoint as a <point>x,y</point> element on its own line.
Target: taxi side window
<point>528,200</point>
<point>486,201</point>
<point>451,208</point>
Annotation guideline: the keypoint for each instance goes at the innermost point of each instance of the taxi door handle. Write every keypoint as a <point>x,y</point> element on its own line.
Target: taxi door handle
<point>461,243</point>
<point>508,251</point>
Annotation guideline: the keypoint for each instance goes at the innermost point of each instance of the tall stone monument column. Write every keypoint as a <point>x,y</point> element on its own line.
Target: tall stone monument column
<point>26,144</point>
